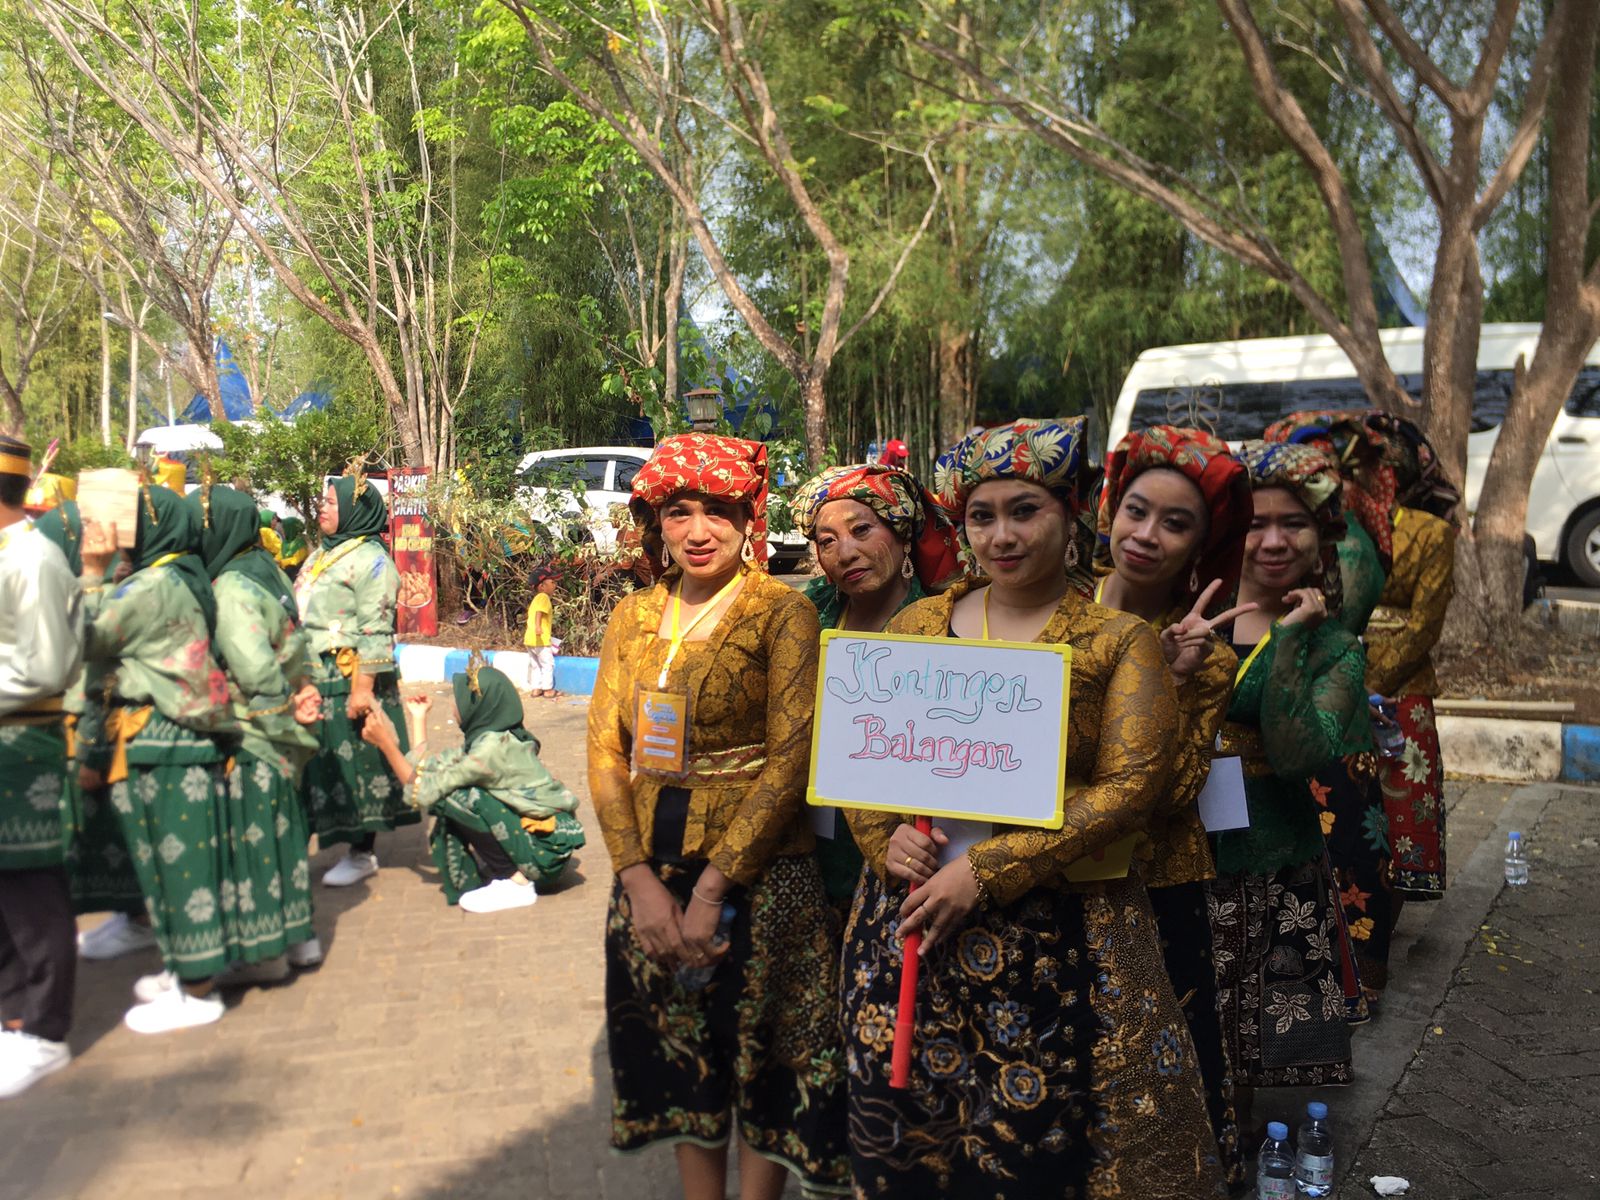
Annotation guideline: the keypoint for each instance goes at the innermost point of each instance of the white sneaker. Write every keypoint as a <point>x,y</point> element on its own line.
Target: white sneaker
<point>148,987</point>
<point>174,1009</point>
<point>305,954</point>
<point>498,896</point>
<point>248,974</point>
<point>115,937</point>
<point>352,868</point>
<point>27,1060</point>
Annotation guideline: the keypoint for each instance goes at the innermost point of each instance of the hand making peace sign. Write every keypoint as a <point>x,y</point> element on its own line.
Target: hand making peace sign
<point>1187,643</point>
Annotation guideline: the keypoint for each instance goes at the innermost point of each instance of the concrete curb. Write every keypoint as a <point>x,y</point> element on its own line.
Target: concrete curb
<point>1519,751</point>
<point>574,674</point>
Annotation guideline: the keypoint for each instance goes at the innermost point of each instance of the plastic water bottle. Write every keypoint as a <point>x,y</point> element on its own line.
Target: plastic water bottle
<point>1275,1166</point>
<point>1516,860</point>
<point>694,979</point>
<point>1313,1160</point>
<point>1386,728</point>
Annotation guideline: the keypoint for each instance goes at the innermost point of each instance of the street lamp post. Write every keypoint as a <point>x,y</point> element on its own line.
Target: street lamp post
<point>705,408</point>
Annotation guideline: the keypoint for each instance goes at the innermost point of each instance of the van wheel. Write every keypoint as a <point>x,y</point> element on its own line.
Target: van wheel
<point>1583,548</point>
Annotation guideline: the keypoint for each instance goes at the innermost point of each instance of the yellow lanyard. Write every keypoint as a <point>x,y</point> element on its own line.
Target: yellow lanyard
<point>1244,667</point>
<point>164,560</point>
<point>327,560</point>
<point>675,642</point>
<point>986,592</point>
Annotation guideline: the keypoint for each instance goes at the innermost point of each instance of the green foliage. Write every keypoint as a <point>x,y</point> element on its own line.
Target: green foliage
<point>294,458</point>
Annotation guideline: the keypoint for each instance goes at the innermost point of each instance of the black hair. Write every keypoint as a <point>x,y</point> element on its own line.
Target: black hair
<point>13,490</point>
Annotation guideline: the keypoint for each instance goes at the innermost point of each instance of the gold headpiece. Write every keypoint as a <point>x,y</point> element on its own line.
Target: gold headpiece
<point>208,480</point>
<point>357,471</point>
<point>144,490</point>
<point>475,663</point>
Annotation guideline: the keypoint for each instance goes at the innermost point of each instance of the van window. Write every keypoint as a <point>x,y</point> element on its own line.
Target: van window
<point>1585,398</point>
<point>627,468</point>
<point>1237,412</point>
<point>567,472</point>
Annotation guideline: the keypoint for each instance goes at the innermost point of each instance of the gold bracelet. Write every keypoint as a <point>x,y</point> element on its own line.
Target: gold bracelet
<point>695,892</point>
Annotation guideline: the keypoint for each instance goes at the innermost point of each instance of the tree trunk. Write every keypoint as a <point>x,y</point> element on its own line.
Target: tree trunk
<point>953,394</point>
<point>133,391</point>
<point>13,403</point>
<point>816,414</point>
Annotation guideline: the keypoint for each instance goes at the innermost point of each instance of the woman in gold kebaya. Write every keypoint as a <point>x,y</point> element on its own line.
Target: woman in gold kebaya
<point>721,970</point>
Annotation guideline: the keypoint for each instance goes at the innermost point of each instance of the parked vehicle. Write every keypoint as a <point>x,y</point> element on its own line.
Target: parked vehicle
<point>574,488</point>
<point>1239,388</point>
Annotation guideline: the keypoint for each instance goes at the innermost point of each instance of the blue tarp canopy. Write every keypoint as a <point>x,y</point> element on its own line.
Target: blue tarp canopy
<point>236,403</point>
<point>306,402</point>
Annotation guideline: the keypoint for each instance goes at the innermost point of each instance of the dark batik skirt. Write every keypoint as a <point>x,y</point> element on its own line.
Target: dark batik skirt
<point>1051,1057</point>
<point>1280,987</point>
<point>1413,799</point>
<point>758,1045</point>
<point>1357,832</point>
<point>1184,922</point>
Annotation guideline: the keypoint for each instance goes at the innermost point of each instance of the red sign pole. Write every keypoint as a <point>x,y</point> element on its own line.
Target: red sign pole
<point>411,534</point>
<point>905,1021</point>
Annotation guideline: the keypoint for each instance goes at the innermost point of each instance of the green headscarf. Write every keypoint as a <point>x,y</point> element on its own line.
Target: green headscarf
<point>359,516</point>
<point>232,542</point>
<point>176,529</point>
<point>63,525</point>
<point>494,708</point>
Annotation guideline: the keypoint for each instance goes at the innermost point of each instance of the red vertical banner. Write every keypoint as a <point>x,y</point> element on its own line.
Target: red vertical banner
<point>411,534</point>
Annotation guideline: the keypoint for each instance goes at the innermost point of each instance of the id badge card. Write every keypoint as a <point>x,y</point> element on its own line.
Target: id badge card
<point>660,732</point>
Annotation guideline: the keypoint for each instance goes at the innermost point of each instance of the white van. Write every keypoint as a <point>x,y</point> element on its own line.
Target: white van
<point>1237,389</point>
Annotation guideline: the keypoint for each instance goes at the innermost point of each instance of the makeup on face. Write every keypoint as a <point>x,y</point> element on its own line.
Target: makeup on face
<point>856,550</point>
<point>1018,531</point>
<point>704,534</point>
<point>1159,527</point>
<point>1282,546</point>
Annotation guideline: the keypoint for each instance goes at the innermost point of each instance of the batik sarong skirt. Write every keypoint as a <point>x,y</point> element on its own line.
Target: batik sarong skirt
<point>349,788</point>
<point>1051,1057</point>
<point>759,1043</point>
<point>33,779</point>
<point>266,888</point>
<point>1280,991</point>
<point>1351,800</point>
<point>1413,798</point>
<point>172,807</point>
<point>1184,922</point>
<point>540,856</point>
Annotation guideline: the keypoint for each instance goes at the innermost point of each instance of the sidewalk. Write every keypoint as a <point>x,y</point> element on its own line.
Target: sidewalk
<point>1503,1097</point>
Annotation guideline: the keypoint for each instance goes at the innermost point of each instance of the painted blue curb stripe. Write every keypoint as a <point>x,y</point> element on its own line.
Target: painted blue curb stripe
<point>1580,753</point>
<point>437,664</point>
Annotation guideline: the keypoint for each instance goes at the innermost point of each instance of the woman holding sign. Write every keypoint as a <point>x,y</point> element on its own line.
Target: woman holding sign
<point>721,970</point>
<point>1050,1053</point>
<point>1297,698</point>
<point>882,544</point>
<point>1173,517</point>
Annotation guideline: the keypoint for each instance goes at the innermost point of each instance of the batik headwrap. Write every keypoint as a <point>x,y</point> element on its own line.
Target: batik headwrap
<point>900,502</point>
<point>725,467</point>
<point>1205,461</point>
<point>1313,477</point>
<point>1370,490</point>
<point>1048,453</point>
<point>1419,476</point>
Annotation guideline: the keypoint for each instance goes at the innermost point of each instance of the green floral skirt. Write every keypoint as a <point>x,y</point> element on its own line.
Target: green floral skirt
<point>348,787</point>
<point>172,808</point>
<point>542,857</point>
<point>33,776</point>
<point>99,865</point>
<point>760,1043</point>
<point>266,889</point>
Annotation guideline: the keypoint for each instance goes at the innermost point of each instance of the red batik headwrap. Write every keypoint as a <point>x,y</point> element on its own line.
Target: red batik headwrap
<point>901,503</point>
<point>1371,492</point>
<point>725,467</point>
<point>1204,460</point>
<point>1419,476</point>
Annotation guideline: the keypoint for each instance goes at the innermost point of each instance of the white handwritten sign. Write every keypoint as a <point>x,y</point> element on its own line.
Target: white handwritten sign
<point>941,727</point>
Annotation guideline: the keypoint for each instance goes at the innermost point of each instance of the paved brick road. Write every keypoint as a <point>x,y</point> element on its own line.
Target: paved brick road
<point>1503,1099</point>
<point>437,1054</point>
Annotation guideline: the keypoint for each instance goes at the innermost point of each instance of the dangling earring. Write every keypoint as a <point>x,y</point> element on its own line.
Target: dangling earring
<point>1072,555</point>
<point>906,569</point>
<point>747,552</point>
<point>666,556</point>
<point>1194,577</point>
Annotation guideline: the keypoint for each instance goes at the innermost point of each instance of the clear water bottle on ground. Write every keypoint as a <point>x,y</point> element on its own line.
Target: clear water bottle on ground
<point>1275,1166</point>
<point>694,979</point>
<point>1516,860</point>
<point>1313,1160</point>
<point>1386,729</point>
